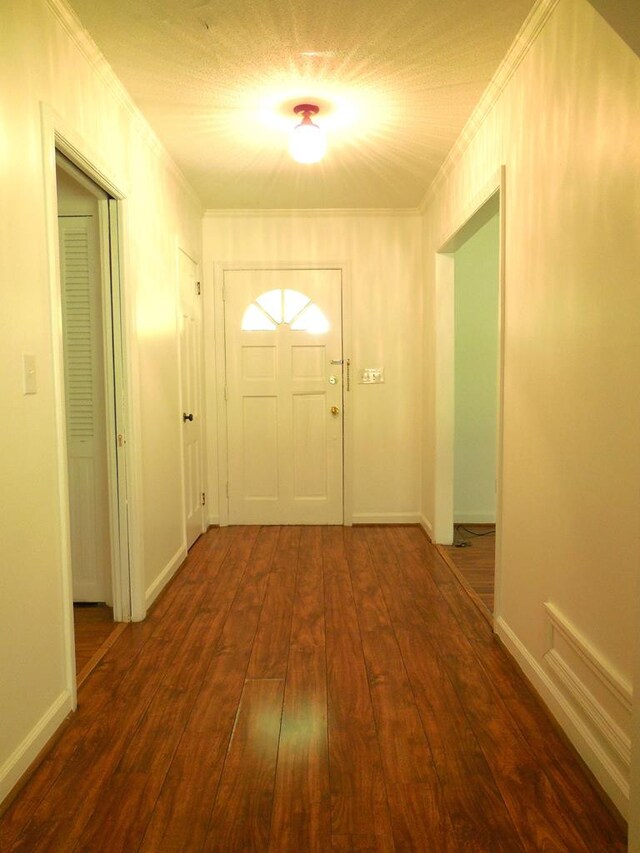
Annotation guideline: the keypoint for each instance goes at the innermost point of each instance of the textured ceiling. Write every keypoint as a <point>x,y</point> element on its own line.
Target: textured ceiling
<point>217,80</point>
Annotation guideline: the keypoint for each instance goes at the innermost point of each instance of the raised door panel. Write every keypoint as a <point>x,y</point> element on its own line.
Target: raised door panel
<point>258,363</point>
<point>260,448</point>
<point>308,362</point>
<point>309,447</point>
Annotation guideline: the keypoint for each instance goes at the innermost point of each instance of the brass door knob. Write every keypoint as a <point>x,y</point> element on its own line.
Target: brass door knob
<point>335,410</point>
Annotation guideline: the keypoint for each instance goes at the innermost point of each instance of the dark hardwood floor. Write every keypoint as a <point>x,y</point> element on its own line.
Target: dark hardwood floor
<point>475,563</point>
<point>303,689</point>
<point>93,625</point>
<point>94,634</point>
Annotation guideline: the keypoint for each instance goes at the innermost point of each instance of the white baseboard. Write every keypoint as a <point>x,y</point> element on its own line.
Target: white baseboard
<point>213,521</point>
<point>426,526</point>
<point>474,518</point>
<point>591,745</point>
<point>385,518</point>
<point>26,753</point>
<point>165,575</point>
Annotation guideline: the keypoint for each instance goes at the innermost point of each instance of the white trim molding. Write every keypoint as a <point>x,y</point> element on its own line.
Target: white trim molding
<point>600,695</point>
<point>154,590</point>
<point>59,137</point>
<point>474,518</point>
<point>600,741</point>
<point>310,212</point>
<point>490,199</point>
<point>527,35</point>
<point>385,518</point>
<point>595,715</point>
<point>619,687</point>
<point>26,753</point>
<point>75,30</point>
<point>426,525</point>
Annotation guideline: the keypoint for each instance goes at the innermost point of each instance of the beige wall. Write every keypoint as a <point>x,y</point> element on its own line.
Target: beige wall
<point>381,254</point>
<point>43,64</point>
<point>566,128</point>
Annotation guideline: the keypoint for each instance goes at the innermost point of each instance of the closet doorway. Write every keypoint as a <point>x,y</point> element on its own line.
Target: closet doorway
<point>92,362</point>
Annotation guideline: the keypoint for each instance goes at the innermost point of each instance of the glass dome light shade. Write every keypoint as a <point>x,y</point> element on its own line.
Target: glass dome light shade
<point>307,143</point>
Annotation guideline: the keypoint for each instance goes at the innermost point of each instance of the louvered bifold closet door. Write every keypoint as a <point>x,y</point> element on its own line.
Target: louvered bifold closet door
<point>85,408</point>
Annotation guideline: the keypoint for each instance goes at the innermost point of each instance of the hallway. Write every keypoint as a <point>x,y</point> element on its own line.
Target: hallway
<point>310,689</point>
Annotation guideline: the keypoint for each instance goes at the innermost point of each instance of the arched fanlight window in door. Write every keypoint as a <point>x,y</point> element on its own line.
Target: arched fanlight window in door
<point>284,307</point>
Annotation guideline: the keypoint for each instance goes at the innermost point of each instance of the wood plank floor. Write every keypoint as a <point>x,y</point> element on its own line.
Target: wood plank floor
<point>303,689</point>
<point>476,562</point>
<point>93,625</point>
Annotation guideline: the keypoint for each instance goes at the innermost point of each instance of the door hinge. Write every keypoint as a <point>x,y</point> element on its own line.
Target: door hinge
<point>121,440</point>
<point>203,499</point>
<point>197,288</point>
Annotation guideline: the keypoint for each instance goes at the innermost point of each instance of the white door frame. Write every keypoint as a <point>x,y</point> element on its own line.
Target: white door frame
<point>221,373</point>
<point>127,584</point>
<point>444,371</point>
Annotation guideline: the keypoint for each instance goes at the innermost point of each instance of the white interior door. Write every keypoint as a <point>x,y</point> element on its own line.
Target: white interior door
<point>191,414</point>
<point>85,408</point>
<point>283,333</point>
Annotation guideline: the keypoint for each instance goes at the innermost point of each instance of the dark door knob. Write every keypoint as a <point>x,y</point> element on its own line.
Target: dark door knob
<point>187,417</point>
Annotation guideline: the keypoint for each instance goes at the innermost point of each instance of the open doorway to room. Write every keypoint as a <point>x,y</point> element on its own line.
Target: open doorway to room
<point>91,350</point>
<point>470,283</point>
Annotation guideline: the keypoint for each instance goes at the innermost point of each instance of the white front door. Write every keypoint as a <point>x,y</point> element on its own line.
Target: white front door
<point>283,335</point>
<point>191,414</point>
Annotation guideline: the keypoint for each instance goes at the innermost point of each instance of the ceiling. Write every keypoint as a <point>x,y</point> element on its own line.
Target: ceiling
<point>218,80</point>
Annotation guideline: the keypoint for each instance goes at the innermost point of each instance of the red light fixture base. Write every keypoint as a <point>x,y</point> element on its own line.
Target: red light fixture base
<point>307,109</point>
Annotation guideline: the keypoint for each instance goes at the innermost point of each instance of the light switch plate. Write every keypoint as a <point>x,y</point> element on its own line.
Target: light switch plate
<point>29,373</point>
<point>372,376</point>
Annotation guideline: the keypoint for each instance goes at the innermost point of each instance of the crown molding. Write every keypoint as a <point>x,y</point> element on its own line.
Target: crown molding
<point>73,27</point>
<point>527,35</point>
<point>302,213</point>
<point>525,38</point>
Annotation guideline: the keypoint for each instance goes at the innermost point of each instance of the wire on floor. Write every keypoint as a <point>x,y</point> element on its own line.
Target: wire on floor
<point>458,539</point>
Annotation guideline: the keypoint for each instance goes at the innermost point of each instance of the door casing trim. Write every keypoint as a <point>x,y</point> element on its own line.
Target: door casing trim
<point>127,585</point>
<point>444,374</point>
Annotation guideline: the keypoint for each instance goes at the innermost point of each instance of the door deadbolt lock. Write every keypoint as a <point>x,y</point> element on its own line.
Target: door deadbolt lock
<point>335,410</point>
<point>187,417</point>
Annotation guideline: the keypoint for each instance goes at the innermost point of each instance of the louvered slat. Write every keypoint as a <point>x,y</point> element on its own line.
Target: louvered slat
<point>77,332</point>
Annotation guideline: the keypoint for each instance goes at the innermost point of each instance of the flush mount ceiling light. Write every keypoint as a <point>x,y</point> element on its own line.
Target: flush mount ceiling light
<point>307,142</point>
